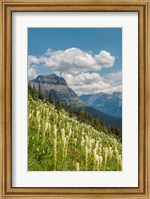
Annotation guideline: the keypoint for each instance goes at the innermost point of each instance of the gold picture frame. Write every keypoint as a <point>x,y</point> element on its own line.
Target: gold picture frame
<point>7,7</point>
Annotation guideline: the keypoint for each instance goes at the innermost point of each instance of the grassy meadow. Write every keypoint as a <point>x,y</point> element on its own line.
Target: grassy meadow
<point>57,142</point>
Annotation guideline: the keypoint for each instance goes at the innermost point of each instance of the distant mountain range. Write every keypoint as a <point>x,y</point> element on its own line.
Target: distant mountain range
<point>110,104</point>
<point>57,89</point>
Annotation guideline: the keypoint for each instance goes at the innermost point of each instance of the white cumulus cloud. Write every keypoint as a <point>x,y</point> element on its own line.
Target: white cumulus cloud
<point>114,78</point>
<point>79,68</point>
<point>32,72</point>
<point>83,78</point>
<point>73,60</point>
<point>36,60</point>
<point>86,83</point>
<point>105,59</point>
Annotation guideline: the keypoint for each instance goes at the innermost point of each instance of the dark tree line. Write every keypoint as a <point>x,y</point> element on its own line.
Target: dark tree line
<point>33,93</point>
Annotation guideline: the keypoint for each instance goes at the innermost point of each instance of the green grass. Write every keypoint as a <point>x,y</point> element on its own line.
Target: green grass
<point>57,142</point>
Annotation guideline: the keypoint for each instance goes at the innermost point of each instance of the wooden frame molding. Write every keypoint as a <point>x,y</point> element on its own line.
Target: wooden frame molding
<point>7,7</point>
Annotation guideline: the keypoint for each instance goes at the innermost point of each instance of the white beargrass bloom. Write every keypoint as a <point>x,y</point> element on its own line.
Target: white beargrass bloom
<point>75,141</point>
<point>63,133</point>
<point>30,115</point>
<point>64,141</point>
<point>73,134</point>
<point>46,126</point>
<point>100,160</point>
<point>100,149</point>
<point>93,141</point>
<point>37,114</point>
<point>97,145</point>
<point>106,155</point>
<point>86,156</point>
<point>39,127</point>
<point>70,132</point>
<point>90,146</point>
<point>94,152</point>
<point>116,151</point>
<point>55,131</point>
<point>55,152</point>
<point>97,161</point>
<point>44,131</point>
<point>86,151</point>
<point>119,161</point>
<point>110,152</point>
<point>77,166</point>
<point>82,142</point>
<point>86,138</point>
<point>97,158</point>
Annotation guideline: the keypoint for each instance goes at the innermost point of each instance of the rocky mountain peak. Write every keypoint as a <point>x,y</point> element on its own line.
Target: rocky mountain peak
<point>56,88</point>
<point>50,79</point>
<point>118,94</point>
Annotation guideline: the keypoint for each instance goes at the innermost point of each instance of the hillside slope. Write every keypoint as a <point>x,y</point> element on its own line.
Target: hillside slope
<point>109,120</point>
<point>58,142</point>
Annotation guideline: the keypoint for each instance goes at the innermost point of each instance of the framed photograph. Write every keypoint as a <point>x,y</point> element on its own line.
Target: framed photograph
<point>74,99</point>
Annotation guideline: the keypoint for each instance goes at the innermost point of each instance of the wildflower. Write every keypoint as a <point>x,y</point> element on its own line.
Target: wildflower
<point>90,146</point>
<point>119,161</point>
<point>97,145</point>
<point>116,151</point>
<point>55,131</point>
<point>82,141</point>
<point>46,126</point>
<point>39,127</point>
<point>86,156</point>
<point>63,133</point>
<point>93,141</point>
<point>75,141</point>
<point>64,141</point>
<point>30,115</point>
<point>106,155</point>
<point>100,160</point>
<point>110,152</point>
<point>37,114</point>
<point>55,150</point>
<point>86,138</point>
<point>70,132</point>
<point>77,166</point>
<point>94,152</point>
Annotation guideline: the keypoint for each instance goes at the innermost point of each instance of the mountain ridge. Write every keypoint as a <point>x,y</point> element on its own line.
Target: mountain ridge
<point>110,104</point>
<point>56,88</point>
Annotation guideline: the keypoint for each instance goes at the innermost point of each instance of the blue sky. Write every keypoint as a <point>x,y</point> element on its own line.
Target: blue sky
<point>78,54</point>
